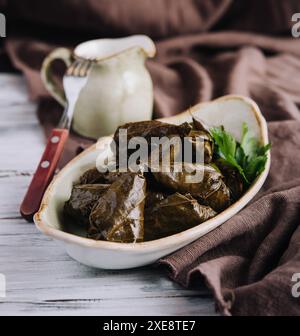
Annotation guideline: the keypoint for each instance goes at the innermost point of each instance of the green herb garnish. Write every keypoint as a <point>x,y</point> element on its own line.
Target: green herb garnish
<point>248,157</point>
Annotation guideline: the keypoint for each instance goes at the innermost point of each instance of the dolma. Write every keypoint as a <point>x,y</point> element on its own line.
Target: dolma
<point>93,175</point>
<point>147,130</point>
<point>153,197</point>
<point>167,153</point>
<point>119,214</point>
<point>232,178</point>
<point>82,199</point>
<point>205,145</point>
<point>201,130</point>
<point>174,214</point>
<point>199,141</point>
<point>210,190</point>
<point>152,128</point>
<point>173,153</point>
<point>199,125</point>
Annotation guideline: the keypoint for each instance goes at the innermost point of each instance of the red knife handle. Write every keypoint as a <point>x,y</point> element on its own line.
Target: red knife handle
<point>44,173</point>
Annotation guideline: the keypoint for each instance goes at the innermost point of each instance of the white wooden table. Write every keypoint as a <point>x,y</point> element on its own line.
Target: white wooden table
<point>40,277</point>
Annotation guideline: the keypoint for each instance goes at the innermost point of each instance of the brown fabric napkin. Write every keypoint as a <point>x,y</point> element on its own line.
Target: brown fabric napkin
<point>205,49</point>
<point>248,262</point>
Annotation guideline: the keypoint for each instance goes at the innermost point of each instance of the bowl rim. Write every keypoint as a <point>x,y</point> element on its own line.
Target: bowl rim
<point>41,221</point>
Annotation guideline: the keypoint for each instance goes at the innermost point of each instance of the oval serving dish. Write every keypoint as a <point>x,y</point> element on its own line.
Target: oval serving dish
<point>230,111</point>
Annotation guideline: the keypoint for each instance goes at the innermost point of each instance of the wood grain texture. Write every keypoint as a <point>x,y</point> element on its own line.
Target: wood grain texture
<point>41,278</point>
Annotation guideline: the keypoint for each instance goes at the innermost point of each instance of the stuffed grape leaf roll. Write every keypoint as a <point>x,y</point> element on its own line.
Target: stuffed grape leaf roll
<point>209,189</point>
<point>147,130</point>
<point>174,214</point>
<point>83,198</point>
<point>119,214</point>
<point>93,175</point>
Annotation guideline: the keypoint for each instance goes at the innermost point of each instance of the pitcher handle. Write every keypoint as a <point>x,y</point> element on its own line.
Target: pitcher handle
<point>65,55</point>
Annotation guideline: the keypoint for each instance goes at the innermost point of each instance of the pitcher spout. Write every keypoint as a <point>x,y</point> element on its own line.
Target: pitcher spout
<point>101,49</point>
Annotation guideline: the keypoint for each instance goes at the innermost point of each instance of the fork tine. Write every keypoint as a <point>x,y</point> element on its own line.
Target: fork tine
<point>84,69</point>
<point>79,68</point>
<point>70,70</point>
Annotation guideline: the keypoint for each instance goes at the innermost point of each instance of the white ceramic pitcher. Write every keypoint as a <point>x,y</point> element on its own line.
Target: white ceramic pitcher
<point>118,87</point>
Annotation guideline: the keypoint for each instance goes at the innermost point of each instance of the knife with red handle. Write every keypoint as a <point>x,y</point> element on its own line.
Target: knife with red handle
<point>44,172</point>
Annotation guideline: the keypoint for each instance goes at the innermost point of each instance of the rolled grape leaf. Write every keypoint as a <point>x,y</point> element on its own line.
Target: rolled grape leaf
<point>233,179</point>
<point>205,145</point>
<point>174,214</point>
<point>199,143</point>
<point>199,125</point>
<point>152,128</point>
<point>154,197</point>
<point>119,214</point>
<point>147,130</point>
<point>219,199</point>
<point>168,152</point>
<point>82,199</point>
<point>93,175</point>
<point>209,190</point>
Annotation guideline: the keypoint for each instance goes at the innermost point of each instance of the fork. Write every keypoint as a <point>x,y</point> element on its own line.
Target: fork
<point>73,82</point>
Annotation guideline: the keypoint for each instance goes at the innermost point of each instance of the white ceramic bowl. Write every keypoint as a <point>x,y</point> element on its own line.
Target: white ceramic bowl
<point>230,111</point>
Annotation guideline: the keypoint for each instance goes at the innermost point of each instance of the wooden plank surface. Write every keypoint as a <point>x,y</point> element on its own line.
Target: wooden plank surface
<point>40,277</point>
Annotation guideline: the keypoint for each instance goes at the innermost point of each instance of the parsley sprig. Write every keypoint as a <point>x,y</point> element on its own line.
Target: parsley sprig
<point>248,157</point>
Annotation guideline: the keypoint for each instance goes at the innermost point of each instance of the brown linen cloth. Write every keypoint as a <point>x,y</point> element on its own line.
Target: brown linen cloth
<point>248,262</point>
<point>205,49</point>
